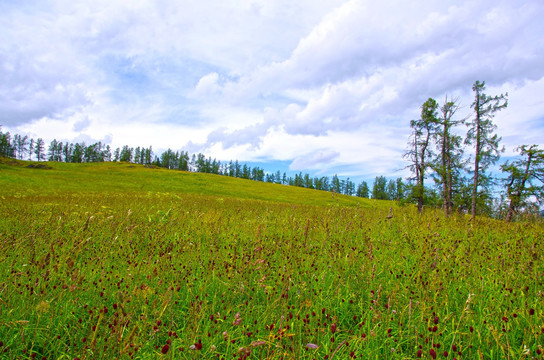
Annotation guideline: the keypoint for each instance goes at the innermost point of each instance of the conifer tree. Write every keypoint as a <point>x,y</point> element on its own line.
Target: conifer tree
<point>39,149</point>
<point>481,135</point>
<point>420,152</point>
<point>525,178</point>
<point>449,161</point>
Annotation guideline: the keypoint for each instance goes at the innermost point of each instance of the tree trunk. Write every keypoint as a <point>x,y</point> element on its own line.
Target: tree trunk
<point>444,165</point>
<point>515,200</point>
<point>477,157</point>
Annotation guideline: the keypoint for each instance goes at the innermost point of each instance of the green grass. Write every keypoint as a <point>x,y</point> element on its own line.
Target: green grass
<point>108,178</point>
<point>96,266</point>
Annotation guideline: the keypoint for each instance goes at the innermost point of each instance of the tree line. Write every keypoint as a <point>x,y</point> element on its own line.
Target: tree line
<point>25,148</point>
<point>436,151</point>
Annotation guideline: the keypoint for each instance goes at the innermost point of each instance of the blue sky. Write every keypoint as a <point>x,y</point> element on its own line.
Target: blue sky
<point>325,87</point>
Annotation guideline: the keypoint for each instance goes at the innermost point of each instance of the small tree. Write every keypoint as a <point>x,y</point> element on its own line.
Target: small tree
<point>107,153</point>
<point>525,178</point>
<point>6,148</point>
<point>30,149</point>
<point>52,151</point>
<point>379,188</point>
<point>126,154</point>
<point>39,149</point>
<point>22,145</point>
<point>363,190</point>
<point>78,153</point>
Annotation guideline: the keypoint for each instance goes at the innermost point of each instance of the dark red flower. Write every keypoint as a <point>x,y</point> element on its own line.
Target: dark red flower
<point>333,328</point>
<point>419,353</point>
<point>435,321</point>
<point>165,348</point>
<point>432,353</point>
<point>531,311</point>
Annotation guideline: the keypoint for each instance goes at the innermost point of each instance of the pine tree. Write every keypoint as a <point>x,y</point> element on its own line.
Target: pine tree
<point>420,147</point>
<point>379,188</point>
<point>525,178</point>
<point>39,149</point>
<point>449,161</point>
<point>363,190</point>
<point>481,135</point>
<point>30,149</point>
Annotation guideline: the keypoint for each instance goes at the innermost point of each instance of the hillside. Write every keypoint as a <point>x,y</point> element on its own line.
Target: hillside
<point>47,178</point>
<point>103,261</point>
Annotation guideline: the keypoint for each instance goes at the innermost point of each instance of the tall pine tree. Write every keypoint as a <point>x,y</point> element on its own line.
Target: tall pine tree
<point>481,135</point>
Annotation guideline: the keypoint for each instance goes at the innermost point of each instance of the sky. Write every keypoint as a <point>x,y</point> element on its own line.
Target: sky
<point>324,87</point>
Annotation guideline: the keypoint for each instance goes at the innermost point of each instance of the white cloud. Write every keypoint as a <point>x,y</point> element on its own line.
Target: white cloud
<point>315,159</point>
<point>207,85</point>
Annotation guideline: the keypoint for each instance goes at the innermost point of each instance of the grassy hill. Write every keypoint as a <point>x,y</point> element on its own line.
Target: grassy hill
<point>103,261</point>
<point>47,178</point>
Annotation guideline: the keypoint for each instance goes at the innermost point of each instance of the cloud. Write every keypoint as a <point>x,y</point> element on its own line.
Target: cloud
<point>81,125</point>
<point>255,79</point>
<point>370,62</point>
<point>251,135</point>
<point>207,85</point>
<point>313,160</point>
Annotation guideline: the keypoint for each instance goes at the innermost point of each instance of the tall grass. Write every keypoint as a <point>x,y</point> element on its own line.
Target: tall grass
<point>165,272</point>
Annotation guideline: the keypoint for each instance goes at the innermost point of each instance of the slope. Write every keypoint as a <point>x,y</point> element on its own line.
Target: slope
<point>22,178</point>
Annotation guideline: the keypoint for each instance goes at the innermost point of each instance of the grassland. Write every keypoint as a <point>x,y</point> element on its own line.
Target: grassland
<point>108,261</point>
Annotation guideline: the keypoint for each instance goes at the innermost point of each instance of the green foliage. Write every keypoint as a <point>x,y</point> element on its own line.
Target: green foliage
<point>379,188</point>
<point>121,261</point>
<point>420,151</point>
<point>525,179</point>
<point>486,143</point>
<point>363,190</point>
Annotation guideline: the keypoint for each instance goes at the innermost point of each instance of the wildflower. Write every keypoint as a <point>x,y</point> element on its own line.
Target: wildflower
<point>311,346</point>
<point>165,348</point>
<point>237,319</point>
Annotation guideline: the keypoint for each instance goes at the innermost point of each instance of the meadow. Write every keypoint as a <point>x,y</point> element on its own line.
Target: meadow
<point>105,261</point>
